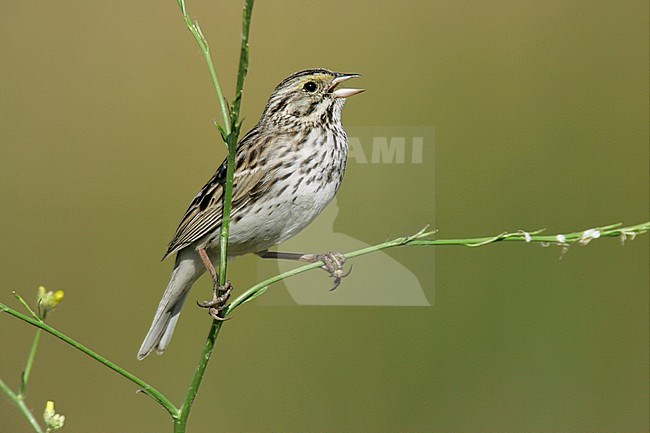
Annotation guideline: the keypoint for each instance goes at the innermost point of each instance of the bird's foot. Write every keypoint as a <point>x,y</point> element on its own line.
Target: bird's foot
<point>332,264</point>
<point>220,296</point>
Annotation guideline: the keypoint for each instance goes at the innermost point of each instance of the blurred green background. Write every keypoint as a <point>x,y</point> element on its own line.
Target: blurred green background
<point>540,112</point>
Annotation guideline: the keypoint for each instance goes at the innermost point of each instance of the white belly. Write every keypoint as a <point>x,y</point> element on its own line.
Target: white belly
<point>277,223</point>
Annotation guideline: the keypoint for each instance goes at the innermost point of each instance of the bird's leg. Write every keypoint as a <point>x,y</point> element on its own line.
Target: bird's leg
<point>220,294</point>
<point>208,265</point>
<point>332,262</point>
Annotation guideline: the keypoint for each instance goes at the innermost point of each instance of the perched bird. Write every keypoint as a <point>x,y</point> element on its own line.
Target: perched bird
<point>287,169</point>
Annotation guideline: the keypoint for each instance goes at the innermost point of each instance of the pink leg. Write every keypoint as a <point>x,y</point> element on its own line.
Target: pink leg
<point>220,294</point>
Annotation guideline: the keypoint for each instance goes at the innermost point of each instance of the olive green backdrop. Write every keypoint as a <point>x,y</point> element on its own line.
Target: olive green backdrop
<point>540,111</point>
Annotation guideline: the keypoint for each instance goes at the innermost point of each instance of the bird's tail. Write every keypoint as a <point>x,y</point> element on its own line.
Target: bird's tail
<point>187,270</point>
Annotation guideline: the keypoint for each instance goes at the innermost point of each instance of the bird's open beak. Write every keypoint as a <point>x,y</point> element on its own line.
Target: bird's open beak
<point>343,93</point>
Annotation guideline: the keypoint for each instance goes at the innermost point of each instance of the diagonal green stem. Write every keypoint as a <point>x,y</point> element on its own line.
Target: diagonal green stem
<point>195,29</point>
<point>144,386</point>
<point>180,422</point>
<point>20,402</point>
<point>564,240</point>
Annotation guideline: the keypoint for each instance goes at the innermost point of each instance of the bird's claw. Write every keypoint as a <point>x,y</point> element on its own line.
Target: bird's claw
<point>220,295</point>
<point>333,264</point>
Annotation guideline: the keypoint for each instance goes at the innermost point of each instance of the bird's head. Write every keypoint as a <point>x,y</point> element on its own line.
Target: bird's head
<point>308,97</point>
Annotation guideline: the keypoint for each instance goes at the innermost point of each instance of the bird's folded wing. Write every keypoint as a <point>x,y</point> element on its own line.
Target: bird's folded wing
<point>204,213</point>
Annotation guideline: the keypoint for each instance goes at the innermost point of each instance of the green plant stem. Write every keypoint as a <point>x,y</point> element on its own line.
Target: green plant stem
<point>20,402</point>
<point>563,240</point>
<point>243,58</point>
<point>568,239</point>
<point>27,307</point>
<point>180,422</point>
<point>225,215</point>
<point>28,365</point>
<point>195,29</point>
<point>19,398</point>
<point>231,137</point>
<point>144,386</point>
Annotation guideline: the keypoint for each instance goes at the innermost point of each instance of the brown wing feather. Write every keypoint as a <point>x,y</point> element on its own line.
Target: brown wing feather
<point>204,213</point>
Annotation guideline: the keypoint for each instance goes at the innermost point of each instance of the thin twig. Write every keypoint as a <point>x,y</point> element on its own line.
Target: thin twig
<point>419,238</point>
<point>195,29</point>
<point>24,378</point>
<point>144,386</point>
<point>20,402</point>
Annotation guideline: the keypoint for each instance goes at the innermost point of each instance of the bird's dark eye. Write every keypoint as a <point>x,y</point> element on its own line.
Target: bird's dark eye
<point>310,87</point>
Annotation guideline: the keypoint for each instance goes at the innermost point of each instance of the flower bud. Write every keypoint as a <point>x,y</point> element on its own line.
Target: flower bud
<point>48,300</point>
<point>53,420</point>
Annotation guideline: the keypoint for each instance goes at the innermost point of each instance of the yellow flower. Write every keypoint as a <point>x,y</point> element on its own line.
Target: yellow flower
<point>53,420</point>
<point>58,296</point>
<point>49,409</point>
<point>48,300</point>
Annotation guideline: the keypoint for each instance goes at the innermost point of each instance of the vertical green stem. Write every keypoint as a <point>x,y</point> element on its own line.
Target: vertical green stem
<point>232,136</point>
<point>225,218</point>
<point>243,57</point>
